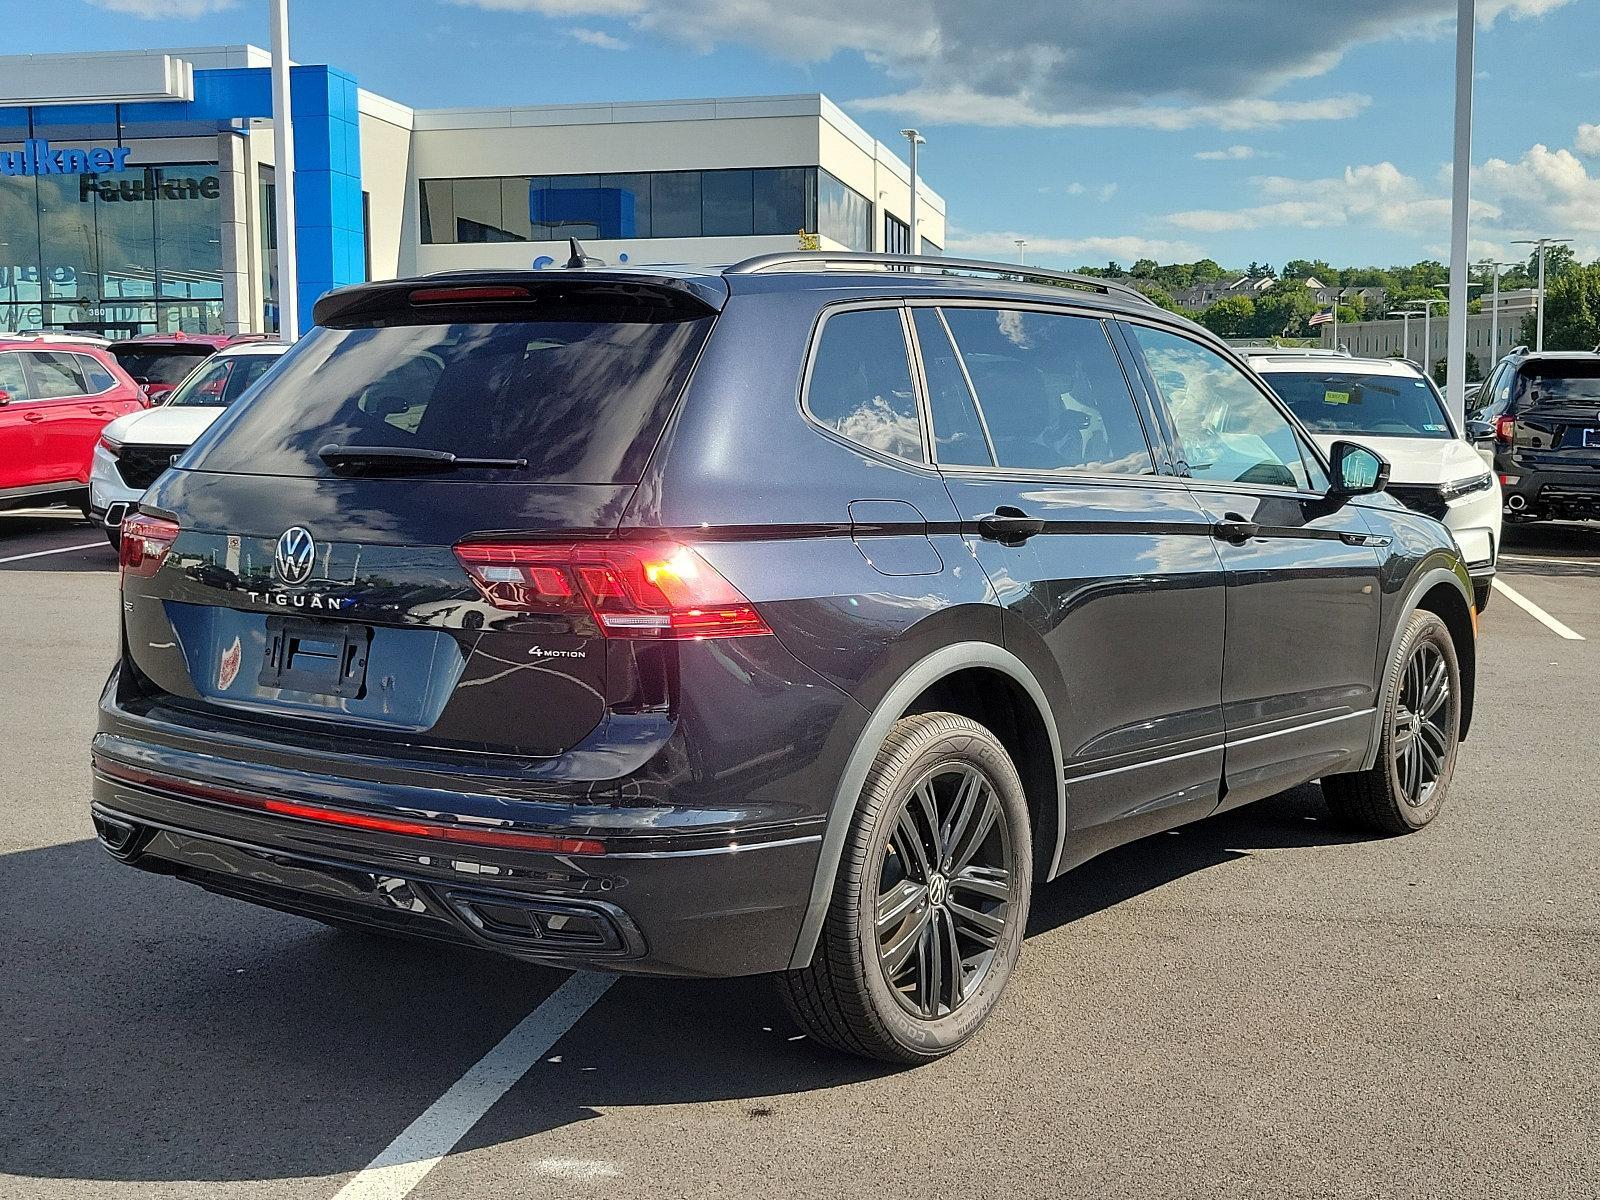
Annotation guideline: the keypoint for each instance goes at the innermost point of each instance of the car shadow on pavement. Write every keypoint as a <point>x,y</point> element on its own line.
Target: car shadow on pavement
<point>157,1033</point>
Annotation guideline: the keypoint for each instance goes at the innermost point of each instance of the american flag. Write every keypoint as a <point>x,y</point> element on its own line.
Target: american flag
<point>1322,318</point>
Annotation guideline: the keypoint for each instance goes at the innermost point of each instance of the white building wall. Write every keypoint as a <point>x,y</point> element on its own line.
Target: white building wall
<point>389,181</point>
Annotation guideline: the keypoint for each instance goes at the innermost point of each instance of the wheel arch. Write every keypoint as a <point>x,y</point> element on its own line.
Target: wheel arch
<point>965,678</point>
<point>1445,591</point>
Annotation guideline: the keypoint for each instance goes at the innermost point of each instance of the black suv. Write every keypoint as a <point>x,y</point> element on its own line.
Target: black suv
<point>797,617</point>
<point>1541,408</point>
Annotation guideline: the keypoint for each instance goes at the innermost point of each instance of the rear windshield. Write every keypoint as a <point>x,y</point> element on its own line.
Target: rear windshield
<point>221,381</point>
<point>1559,383</point>
<point>582,401</point>
<point>1378,405</point>
<point>161,366</point>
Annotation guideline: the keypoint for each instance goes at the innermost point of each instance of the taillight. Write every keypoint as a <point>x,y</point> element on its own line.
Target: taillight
<point>1504,424</point>
<point>631,589</point>
<point>144,544</point>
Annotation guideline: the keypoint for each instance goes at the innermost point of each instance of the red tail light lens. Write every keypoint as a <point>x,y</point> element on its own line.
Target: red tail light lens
<point>467,295</point>
<point>633,590</point>
<point>1504,424</point>
<point>145,542</point>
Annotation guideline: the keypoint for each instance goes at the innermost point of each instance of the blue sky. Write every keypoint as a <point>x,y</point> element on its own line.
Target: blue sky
<point>1238,129</point>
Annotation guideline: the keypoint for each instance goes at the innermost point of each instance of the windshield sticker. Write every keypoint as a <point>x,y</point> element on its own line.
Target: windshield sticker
<point>1434,428</point>
<point>1336,397</point>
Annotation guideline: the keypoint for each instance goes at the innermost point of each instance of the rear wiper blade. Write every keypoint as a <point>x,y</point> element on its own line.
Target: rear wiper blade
<point>406,458</point>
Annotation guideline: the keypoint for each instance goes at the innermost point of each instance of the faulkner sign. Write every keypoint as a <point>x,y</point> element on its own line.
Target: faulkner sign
<point>37,158</point>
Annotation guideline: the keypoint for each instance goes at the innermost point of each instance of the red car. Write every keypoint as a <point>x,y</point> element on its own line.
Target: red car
<point>55,397</point>
<point>159,362</point>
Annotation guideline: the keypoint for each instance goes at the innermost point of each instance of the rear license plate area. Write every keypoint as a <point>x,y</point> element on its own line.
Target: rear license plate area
<point>316,657</point>
<point>1591,439</point>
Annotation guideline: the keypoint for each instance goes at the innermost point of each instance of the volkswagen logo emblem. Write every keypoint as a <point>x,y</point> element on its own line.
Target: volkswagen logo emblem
<point>296,552</point>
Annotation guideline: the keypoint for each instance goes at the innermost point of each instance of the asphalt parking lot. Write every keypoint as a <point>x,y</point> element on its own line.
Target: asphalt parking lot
<point>1258,1005</point>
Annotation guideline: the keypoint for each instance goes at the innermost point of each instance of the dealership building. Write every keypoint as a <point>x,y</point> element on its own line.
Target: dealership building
<point>137,188</point>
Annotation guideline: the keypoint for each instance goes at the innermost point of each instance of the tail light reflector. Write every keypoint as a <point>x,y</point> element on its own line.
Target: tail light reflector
<point>145,543</point>
<point>658,590</point>
<point>1504,424</point>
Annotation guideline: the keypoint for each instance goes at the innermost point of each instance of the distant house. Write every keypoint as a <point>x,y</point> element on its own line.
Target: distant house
<point>1203,295</point>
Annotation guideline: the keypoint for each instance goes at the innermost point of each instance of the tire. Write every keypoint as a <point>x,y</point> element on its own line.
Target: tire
<point>1396,795</point>
<point>914,1009</point>
<point>1481,593</point>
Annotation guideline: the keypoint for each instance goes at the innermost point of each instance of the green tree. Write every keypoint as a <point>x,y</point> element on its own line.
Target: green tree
<point>1300,268</point>
<point>1571,311</point>
<point>1558,260</point>
<point>1230,317</point>
<point>1144,268</point>
<point>1283,310</point>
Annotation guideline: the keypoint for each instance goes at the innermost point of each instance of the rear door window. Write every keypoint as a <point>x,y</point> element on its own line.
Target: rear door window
<point>1051,390</point>
<point>958,435</point>
<point>860,385</point>
<point>580,401</point>
<point>55,376</point>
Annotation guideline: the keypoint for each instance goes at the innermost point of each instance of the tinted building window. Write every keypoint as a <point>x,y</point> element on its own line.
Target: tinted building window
<point>727,203</point>
<point>1052,391</point>
<point>133,251</point>
<point>896,235</point>
<point>767,201</point>
<point>860,382</point>
<point>843,213</point>
<point>675,204</point>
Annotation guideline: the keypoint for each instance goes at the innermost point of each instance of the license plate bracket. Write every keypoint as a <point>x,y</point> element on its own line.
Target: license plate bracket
<point>1591,439</point>
<point>319,657</point>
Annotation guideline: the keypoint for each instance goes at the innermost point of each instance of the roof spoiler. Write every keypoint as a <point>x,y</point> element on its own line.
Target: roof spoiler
<point>465,296</point>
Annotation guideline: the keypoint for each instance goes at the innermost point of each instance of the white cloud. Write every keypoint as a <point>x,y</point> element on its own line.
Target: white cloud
<point>1070,251</point>
<point>962,106</point>
<point>1231,154</point>
<point>597,38</point>
<point>1588,141</point>
<point>165,10</point>
<point>1544,191</point>
<point>1179,64</point>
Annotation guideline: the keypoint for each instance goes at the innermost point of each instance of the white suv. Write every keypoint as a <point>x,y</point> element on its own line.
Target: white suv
<point>135,449</point>
<point>1392,407</point>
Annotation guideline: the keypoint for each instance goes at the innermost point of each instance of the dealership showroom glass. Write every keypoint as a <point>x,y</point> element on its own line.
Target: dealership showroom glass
<point>136,187</point>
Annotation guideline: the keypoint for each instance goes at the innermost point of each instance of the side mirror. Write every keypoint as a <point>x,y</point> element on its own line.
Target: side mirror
<point>1358,471</point>
<point>5,398</point>
<point>1479,432</point>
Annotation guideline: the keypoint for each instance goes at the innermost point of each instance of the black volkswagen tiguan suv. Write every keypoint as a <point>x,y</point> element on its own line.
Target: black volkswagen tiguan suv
<point>798,617</point>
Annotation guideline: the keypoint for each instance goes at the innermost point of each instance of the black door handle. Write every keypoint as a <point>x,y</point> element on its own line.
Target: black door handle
<point>1234,528</point>
<point>1009,525</point>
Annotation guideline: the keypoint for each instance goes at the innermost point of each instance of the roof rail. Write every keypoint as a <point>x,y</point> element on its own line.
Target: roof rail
<point>846,259</point>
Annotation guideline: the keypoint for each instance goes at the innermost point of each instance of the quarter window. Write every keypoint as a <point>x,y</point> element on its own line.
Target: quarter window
<point>860,383</point>
<point>95,376</point>
<point>1051,390</point>
<point>1229,430</point>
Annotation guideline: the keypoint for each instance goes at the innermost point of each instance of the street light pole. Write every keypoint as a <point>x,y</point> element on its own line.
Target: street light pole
<point>916,139</point>
<point>1542,244</point>
<point>1461,182</point>
<point>283,175</point>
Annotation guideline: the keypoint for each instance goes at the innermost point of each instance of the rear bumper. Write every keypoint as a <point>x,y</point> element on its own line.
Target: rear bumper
<point>722,906</point>
<point>1550,490</point>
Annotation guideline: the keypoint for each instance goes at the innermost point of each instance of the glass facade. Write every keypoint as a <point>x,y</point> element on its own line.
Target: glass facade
<point>766,201</point>
<point>133,251</point>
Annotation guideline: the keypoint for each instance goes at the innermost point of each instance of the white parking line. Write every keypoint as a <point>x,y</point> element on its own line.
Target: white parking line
<point>1537,613</point>
<point>1535,561</point>
<point>58,550</point>
<point>406,1161</point>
